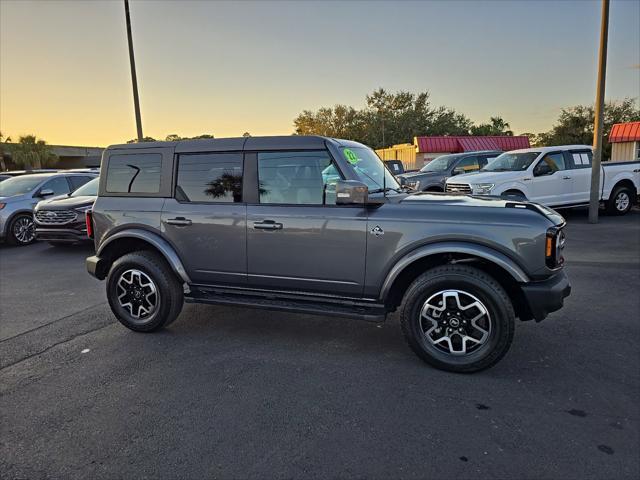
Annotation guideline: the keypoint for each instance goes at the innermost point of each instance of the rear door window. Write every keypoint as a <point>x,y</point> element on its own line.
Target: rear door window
<point>581,158</point>
<point>209,177</point>
<point>77,181</point>
<point>134,173</point>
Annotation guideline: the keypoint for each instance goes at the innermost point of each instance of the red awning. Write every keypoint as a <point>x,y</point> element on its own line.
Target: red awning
<point>459,144</point>
<point>625,132</point>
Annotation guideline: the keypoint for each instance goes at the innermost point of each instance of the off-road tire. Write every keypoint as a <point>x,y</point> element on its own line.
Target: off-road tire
<point>612,207</point>
<point>466,279</point>
<point>169,287</point>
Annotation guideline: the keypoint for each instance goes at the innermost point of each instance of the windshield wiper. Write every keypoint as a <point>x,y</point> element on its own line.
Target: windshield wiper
<point>385,190</point>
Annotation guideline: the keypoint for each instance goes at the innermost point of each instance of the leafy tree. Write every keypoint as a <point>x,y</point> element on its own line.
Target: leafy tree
<point>31,152</point>
<point>144,139</point>
<point>172,137</point>
<point>388,118</point>
<point>246,134</point>
<point>575,124</point>
<point>496,126</point>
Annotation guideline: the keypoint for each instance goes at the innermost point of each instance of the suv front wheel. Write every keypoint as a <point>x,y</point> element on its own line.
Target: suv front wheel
<point>143,292</point>
<point>458,318</point>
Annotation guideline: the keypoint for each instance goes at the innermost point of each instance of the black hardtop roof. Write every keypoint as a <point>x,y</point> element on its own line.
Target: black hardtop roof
<point>288,142</point>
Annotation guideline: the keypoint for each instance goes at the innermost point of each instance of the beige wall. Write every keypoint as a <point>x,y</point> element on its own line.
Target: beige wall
<point>624,151</point>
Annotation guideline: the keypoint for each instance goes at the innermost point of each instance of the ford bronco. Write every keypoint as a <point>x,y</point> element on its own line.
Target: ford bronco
<point>319,225</point>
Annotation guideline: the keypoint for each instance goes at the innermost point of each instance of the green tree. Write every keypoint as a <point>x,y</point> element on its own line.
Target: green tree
<point>172,137</point>
<point>144,139</point>
<point>496,126</point>
<point>575,124</point>
<point>31,152</point>
<point>246,134</point>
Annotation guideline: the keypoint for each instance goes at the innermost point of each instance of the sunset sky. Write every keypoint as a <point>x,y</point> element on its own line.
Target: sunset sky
<point>226,68</point>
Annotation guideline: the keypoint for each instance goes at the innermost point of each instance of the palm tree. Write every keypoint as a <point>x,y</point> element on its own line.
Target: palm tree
<point>3,139</point>
<point>31,152</point>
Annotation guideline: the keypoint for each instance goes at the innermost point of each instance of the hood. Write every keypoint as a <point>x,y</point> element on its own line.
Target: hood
<point>485,177</point>
<point>481,201</point>
<point>419,174</point>
<point>65,203</point>
<point>14,198</point>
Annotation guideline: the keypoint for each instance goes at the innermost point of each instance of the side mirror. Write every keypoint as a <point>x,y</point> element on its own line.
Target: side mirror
<point>351,192</point>
<point>45,192</point>
<point>458,171</point>
<point>542,169</point>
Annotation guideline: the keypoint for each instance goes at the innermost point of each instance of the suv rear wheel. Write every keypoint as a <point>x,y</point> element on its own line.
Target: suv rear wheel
<point>143,292</point>
<point>458,318</point>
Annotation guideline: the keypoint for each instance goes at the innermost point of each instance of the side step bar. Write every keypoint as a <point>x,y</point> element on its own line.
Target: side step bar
<point>332,307</point>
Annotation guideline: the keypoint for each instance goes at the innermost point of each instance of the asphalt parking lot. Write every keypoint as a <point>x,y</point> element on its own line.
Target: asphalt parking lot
<point>230,392</point>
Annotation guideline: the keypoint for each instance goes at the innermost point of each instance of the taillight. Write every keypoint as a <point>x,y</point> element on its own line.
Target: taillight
<point>88,217</point>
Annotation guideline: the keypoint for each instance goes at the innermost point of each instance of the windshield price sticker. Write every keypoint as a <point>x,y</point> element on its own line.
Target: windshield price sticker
<point>351,157</point>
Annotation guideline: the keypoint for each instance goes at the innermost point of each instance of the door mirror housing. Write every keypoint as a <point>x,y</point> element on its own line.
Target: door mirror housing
<point>542,169</point>
<point>457,171</point>
<point>351,192</point>
<point>45,192</point>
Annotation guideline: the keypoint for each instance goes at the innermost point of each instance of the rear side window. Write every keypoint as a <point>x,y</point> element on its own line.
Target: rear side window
<point>209,177</point>
<point>134,173</point>
<point>581,159</point>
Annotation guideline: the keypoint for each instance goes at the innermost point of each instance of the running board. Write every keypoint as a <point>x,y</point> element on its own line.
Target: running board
<point>371,312</point>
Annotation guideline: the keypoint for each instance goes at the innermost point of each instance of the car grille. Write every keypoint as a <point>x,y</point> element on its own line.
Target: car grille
<point>55,217</point>
<point>458,188</point>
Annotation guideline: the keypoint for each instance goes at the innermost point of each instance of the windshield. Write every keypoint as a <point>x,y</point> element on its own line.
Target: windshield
<point>511,162</point>
<point>88,189</point>
<point>370,168</point>
<point>18,185</point>
<point>439,164</point>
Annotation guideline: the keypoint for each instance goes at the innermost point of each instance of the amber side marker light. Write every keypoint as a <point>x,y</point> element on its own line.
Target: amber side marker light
<point>548,249</point>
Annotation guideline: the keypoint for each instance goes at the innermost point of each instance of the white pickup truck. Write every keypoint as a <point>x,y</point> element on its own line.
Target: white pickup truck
<point>558,177</point>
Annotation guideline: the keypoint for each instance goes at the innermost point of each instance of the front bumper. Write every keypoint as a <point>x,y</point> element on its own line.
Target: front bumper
<point>62,235</point>
<point>546,296</point>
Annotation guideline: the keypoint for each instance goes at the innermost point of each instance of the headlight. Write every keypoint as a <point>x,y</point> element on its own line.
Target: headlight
<point>414,185</point>
<point>2,205</point>
<point>83,209</point>
<point>483,188</point>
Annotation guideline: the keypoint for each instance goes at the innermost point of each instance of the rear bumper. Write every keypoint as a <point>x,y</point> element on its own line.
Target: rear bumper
<point>546,296</point>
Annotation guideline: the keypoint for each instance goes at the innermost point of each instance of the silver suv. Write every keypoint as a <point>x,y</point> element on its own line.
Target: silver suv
<point>19,195</point>
<point>319,225</point>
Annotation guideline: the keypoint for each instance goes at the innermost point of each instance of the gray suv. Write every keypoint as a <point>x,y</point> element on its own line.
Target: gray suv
<point>20,194</point>
<point>432,177</point>
<point>319,225</point>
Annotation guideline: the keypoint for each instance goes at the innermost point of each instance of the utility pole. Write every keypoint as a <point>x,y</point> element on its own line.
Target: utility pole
<point>594,199</point>
<point>134,78</point>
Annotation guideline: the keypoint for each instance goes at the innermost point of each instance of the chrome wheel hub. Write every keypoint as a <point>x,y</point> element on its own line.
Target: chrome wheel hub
<point>455,322</point>
<point>24,230</point>
<point>622,201</point>
<point>137,294</point>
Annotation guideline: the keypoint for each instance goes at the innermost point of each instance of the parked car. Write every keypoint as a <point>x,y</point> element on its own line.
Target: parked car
<point>431,177</point>
<point>61,220</point>
<point>4,177</point>
<point>17,173</point>
<point>558,177</point>
<point>20,194</point>
<point>319,225</point>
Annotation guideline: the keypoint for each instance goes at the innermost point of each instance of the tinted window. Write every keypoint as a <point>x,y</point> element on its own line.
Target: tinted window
<point>59,186</point>
<point>135,173</point>
<point>209,177</point>
<point>77,181</point>
<point>581,159</point>
<point>303,178</point>
<point>468,164</point>
<point>88,189</point>
<point>554,160</point>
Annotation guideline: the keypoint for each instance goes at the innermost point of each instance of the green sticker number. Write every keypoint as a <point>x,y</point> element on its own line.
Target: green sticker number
<point>351,157</point>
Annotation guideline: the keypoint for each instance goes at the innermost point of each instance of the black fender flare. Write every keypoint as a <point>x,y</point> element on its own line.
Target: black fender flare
<point>473,249</point>
<point>163,246</point>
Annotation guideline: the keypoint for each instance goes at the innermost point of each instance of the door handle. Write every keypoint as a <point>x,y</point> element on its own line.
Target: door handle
<point>566,178</point>
<point>267,225</point>
<point>179,222</point>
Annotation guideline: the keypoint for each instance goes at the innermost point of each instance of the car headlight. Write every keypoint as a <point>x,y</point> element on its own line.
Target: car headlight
<point>414,185</point>
<point>2,205</point>
<point>483,188</point>
<point>84,209</point>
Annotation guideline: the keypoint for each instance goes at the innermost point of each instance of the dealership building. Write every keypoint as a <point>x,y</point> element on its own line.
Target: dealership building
<point>625,142</point>
<point>424,149</point>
